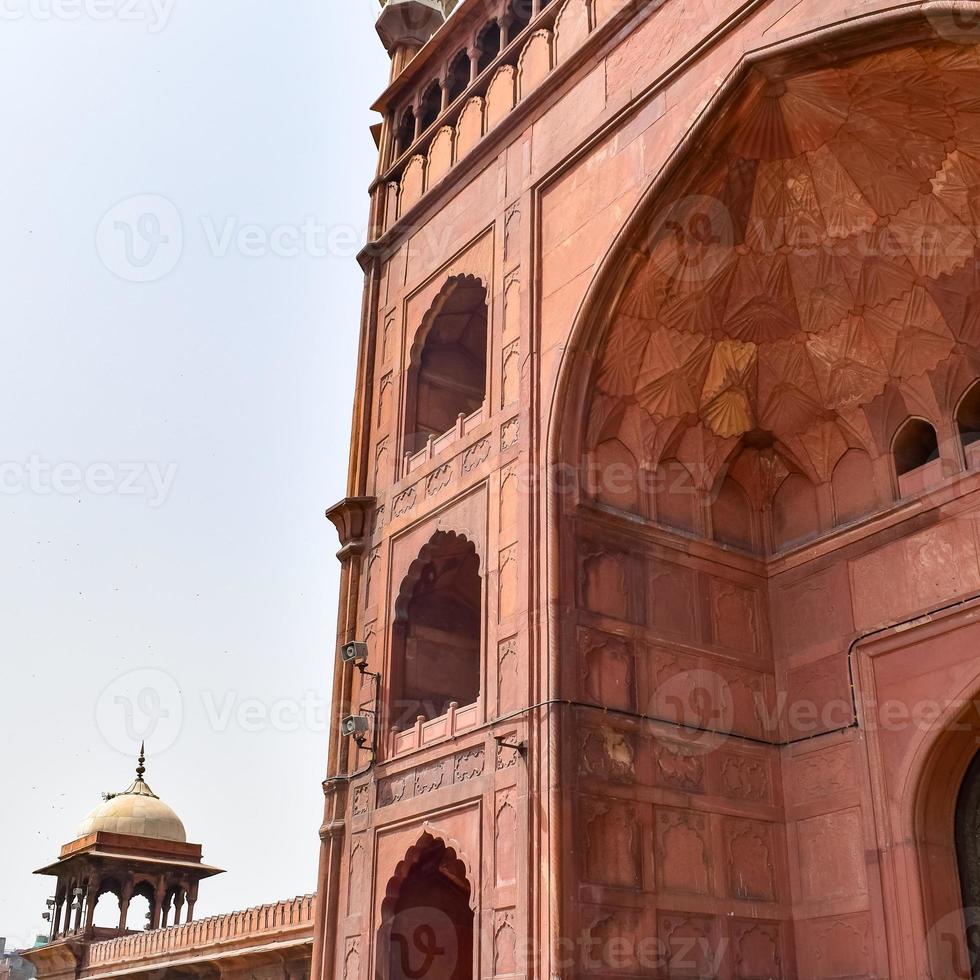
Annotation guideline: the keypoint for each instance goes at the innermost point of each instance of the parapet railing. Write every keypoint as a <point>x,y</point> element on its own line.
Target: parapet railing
<point>256,922</point>
<point>550,39</point>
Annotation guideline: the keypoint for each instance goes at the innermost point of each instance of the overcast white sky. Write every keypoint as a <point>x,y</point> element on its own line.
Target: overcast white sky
<point>175,392</point>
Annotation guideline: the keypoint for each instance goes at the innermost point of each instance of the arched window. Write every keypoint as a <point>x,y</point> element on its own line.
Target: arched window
<point>448,374</point>
<point>406,132</point>
<point>107,907</point>
<point>437,634</point>
<point>520,16</point>
<point>488,44</point>
<point>140,913</point>
<point>915,445</point>
<point>458,78</point>
<point>968,418</point>
<point>430,106</point>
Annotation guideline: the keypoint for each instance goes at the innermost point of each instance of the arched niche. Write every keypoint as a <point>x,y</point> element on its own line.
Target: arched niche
<point>795,513</point>
<point>853,486</point>
<point>427,916</point>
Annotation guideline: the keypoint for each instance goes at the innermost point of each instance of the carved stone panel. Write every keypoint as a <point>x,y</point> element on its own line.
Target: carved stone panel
<point>611,842</point>
<point>683,855</point>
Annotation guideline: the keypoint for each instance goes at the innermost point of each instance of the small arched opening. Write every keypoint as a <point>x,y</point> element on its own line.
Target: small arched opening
<point>430,106</point>
<point>448,376</point>
<point>488,44</point>
<point>107,905</point>
<point>405,136</point>
<point>968,424</point>
<point>916,455</point>
<point>139,916</point>
<point>437,639</point>
<point>520,16</point>
<point>427,919</point>
<point>458,77</point>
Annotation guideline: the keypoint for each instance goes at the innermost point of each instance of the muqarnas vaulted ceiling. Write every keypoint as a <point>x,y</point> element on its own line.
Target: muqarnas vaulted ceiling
<point>815,275</point>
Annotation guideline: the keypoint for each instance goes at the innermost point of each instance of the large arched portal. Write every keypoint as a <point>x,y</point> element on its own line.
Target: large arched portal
<point>801,282</point>
<point>807,283</point>
<point>427,920</point>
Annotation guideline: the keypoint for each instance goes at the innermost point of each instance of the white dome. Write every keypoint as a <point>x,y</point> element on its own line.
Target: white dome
<point>136,811</point>
<point>137,814</point>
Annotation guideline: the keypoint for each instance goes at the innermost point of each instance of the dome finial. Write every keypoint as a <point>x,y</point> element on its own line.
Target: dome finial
<point>140,767</point>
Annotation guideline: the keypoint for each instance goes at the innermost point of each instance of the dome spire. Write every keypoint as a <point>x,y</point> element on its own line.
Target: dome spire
<point>140,763</point>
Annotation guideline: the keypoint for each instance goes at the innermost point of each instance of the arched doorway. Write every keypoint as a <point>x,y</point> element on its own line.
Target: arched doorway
<point>427,920</point>
<point>968,861</point>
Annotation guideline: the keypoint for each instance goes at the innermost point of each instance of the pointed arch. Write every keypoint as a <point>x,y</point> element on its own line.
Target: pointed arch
<point>428,914</point>
<point>448,362</point>
<point>437,635</point>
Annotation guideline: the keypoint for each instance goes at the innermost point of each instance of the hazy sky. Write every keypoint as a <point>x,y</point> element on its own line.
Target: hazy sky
<point>182,191</point>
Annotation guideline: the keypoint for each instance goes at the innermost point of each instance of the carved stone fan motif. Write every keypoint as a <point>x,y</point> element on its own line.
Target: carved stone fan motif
<point>824,252</point>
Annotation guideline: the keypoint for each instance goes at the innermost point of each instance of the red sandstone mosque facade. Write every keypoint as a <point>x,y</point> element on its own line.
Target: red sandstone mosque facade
<point>660,560</point>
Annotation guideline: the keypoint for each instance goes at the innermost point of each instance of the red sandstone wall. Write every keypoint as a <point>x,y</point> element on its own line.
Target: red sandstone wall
<point>762,859</point>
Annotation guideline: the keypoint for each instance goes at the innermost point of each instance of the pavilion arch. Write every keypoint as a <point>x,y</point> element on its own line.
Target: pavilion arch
<point>428,914</point>
<point>437,634</point>
<point>448,366</point>
<point>107,913</point>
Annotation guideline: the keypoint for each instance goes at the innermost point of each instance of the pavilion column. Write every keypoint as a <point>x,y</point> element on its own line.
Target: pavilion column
<point>91,900</point>
<point>191,902</point>
<point>178,905</point>
<point>77,908</point>
<point>56,917</point>
<point>504,23</point>
<point>124,899</point>
<point>158,899</point>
